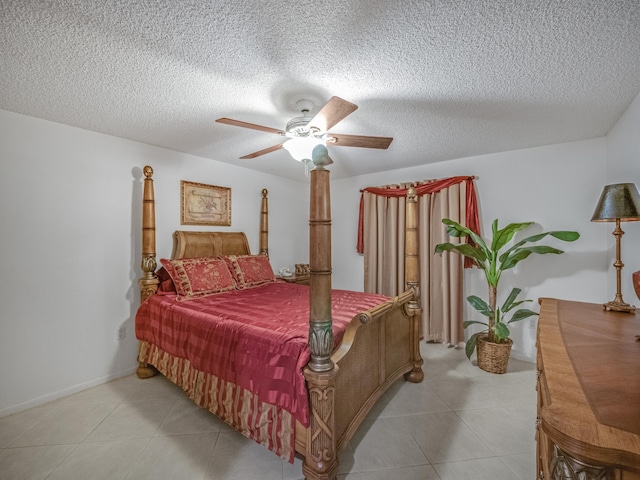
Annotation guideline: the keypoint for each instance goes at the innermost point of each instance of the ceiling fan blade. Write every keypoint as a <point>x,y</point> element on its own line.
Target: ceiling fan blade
<point>262,152</point>
<point>253,126</point>
<point>365,141</point>
<point>335,110</point>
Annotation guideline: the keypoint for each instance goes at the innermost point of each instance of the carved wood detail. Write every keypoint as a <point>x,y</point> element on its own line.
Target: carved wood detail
<point>148,287</point>
<point>321,457</point>
<point>565,467</point>
<point>320,343</point>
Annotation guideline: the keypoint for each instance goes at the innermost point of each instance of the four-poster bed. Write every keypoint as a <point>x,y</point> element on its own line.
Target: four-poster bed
<point>377,338</point>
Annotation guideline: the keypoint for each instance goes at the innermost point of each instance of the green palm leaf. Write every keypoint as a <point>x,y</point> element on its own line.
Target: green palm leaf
<point>464,249</point>
<point>521,315</point>
<point>501,331</point>
<point>470,346</point>
<point>493,263</point>
<point>503,236</point>
<point>480,305</point>
<point>466,323</point>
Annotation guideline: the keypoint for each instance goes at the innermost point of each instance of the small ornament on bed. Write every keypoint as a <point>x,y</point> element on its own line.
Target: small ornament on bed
<point>302,269</point>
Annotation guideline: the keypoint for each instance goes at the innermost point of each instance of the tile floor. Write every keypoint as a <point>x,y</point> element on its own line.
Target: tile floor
<point>460,423</point>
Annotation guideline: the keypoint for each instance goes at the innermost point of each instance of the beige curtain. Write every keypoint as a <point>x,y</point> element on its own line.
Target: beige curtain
<point>440,275</point>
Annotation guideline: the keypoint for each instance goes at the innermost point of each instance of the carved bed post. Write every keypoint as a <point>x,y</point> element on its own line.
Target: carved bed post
<point>321,458</point>
<point>264,224</point>
<point>412,277</point>
<point>320,320</point>
<point>149,281</point>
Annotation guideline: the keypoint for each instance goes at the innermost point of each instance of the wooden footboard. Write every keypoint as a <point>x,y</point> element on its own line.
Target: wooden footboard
<point>378,346</point>
<point>375,351</point>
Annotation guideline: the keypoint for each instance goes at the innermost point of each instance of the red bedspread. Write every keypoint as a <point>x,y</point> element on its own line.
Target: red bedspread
<point>255,338</point>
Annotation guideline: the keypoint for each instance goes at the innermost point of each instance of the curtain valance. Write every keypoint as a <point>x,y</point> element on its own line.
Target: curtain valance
<point>472,221</point>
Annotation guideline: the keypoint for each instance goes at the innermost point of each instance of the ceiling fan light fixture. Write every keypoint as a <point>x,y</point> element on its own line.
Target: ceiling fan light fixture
<point>300,148</point>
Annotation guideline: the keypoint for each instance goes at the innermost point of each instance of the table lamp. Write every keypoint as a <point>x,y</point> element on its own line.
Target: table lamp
<point>619,202</point>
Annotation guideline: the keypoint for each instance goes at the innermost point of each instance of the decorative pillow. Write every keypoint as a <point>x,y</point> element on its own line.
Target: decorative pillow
<point>166,282</point>
<point>250,270</point>
<point>197,277</point>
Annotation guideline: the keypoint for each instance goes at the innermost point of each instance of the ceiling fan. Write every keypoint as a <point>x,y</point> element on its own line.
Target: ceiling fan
<point>305,132</point>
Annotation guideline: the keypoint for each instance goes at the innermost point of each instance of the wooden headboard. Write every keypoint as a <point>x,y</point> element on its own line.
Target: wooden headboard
<point>209,244</point>
<point>188,244</point>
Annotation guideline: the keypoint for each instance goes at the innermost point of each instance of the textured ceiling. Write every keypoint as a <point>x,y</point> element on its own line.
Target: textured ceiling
<point>446,79</point>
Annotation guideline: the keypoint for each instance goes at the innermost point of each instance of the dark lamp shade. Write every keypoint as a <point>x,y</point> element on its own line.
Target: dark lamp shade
<point>620,201</point>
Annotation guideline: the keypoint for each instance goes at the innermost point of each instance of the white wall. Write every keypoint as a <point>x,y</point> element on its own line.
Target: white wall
<point>623,165</point>
<point>70,203</point>
<point>555,186</point>
<point>70,236</point>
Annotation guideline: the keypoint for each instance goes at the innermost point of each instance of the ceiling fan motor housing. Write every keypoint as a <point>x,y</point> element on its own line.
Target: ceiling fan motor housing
<point>297,127</point>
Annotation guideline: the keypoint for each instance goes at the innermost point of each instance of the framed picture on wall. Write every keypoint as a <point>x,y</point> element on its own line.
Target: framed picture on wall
<point>204,204</point>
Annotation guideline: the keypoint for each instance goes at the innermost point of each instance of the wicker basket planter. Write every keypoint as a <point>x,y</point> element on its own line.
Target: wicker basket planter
<point>493,357</point>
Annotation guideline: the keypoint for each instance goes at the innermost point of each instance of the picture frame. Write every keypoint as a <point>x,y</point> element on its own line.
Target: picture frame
<point>203,204</point>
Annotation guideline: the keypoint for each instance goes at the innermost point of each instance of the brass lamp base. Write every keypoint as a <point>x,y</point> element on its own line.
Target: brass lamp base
<point>617,306</point>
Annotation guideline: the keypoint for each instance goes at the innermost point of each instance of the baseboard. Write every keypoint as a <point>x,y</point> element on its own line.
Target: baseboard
<point>36,402</point>
<point>520,356</point>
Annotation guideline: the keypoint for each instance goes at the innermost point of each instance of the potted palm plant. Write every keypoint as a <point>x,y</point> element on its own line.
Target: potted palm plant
<point>493,344</point>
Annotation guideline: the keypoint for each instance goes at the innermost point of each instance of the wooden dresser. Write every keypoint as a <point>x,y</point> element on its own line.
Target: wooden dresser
<point>588,425</point>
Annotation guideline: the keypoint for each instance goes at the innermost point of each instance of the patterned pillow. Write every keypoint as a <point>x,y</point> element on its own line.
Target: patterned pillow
<point>166,282</point>
<point>198,277</point>
<point>250,270</point>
